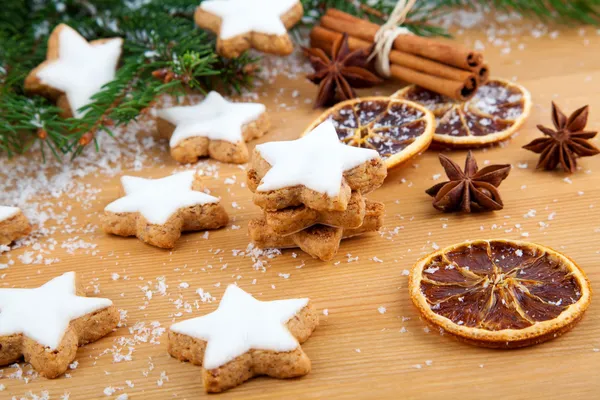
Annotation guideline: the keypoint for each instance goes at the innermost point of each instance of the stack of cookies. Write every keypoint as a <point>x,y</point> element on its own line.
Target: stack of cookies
<point>311,191</point>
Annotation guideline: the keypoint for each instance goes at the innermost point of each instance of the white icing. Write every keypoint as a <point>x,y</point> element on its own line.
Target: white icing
<point>241,323</point>
<point>44,313</point>
<point>158,199</point>
<point>214,118</point>
<point>317,161</point>
<point>8,212</point>
<point>81,68</point>
<point>242,16</point>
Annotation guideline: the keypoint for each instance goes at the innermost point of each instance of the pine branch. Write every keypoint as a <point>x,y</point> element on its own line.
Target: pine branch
<point>159,36</point>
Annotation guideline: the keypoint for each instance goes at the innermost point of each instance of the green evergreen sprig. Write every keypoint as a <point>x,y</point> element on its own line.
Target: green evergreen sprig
<point>159,36</point>
<point>165,53</point>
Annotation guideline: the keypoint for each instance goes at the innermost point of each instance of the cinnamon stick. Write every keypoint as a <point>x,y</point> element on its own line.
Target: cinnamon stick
<point>483,74</point>
<point>404,59</point>
<point>446,53</point>
<point>409,68</point>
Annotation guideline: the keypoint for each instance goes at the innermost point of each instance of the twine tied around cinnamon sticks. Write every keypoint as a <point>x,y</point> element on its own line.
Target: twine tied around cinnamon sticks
<point>442,66</point>
<point>385,36</point>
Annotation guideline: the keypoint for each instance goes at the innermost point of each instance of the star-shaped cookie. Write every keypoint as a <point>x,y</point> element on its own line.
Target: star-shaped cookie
<point>45,325</point>
<point>246,337</point>
<point>158,210</point>
<point>13,225</point>
<point>75,69</point>
<point>320,241</point>
<point>216,128</point>
<point>243,24</point>
<point>316,170</point>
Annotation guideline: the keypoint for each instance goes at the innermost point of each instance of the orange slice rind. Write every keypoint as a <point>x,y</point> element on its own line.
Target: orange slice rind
<point>500,293</point>
<point>494,114</point>
<point>398,129</point>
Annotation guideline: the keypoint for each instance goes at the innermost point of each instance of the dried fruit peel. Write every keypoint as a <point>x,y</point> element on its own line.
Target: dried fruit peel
<point>494,114</point>
<point>397,129</point>
<point>500,293</point>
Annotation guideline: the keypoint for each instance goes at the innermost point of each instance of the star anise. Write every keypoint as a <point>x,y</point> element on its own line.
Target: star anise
<point>471,190</point>
<point>566,143</point>
<point>339,76</point>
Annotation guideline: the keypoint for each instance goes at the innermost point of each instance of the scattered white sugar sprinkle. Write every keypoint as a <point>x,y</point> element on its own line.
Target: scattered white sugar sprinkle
<point>551,216</point>
<point>129,383</point>
<point>523,165</point>
<point>73,365</point>
<point>235,227</point>
<point>596,350</point>
<point>162,379</point>
<point>229,181</point>
<point>519,253</point>
<point>123,396</point>
<point>284,276</point>
<point>205,236</point>
<point>580,193</point>
<point>530,214</point>
<point>432,270</point>
<point>115,276</point>
<point>235,205</point>
<point>381,309</point>
<point>357,350</point>
<point>435,246</point>
<point>435,177</point>
<point>525,234</point>
<point>428,363</point>
<point>2,387</point>
<point>184,285</point>
<point>109,391</point>
<point>568,180</point>
<point>417,366</point>
<point>325,311</point>
<point>205,297</point>
<point>377,259</point>
<point>405,272</point>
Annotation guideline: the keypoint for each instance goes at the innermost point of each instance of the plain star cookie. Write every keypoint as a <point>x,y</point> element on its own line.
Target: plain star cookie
<point>13,225</point>
<point>294,219</point>
<point>246,337</point>
<point>243,24</point>
<point>46,325</point>
<point>216,128</point>
<point>317,171</point>
<point>75,69</point>
<point>320,241</point>
<point>158,210</point>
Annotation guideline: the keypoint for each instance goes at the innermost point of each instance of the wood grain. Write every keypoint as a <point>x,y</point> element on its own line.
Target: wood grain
<point>357,352</point>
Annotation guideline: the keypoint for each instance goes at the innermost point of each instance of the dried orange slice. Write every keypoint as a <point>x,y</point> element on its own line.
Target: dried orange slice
<point>496,111</point>
<point>397,129</point>
<point>500,293</point>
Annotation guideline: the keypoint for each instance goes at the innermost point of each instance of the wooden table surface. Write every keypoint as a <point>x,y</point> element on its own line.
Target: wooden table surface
<point>360,350</point>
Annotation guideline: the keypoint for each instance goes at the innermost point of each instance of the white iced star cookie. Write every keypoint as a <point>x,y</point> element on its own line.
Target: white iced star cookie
<point>75,69</point>
<point>316,170</point>
<point>245,337</point>
<point>13,225</point>
<point>216,128</point>
<point>47,324</point>
<point>243,24</point>
<point>158,210</point>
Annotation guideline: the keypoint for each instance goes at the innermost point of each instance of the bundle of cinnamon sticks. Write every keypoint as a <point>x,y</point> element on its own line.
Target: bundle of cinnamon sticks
<point>446,68</point>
